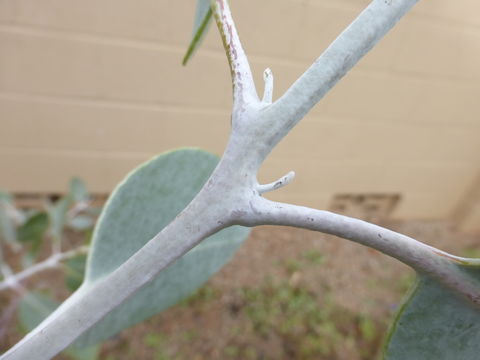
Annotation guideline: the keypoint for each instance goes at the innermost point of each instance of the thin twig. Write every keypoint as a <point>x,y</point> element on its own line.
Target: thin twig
<point>421,257</point>
<point>283,181</point>
<point>12,280</point>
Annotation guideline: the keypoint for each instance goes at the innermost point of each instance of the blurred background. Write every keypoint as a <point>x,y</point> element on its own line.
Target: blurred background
<point>94,88</point>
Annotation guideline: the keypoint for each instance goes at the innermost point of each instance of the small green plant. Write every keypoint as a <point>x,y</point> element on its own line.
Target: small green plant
<point>154,340</point>
<point>200,297</point>
<point>314,257</point>
<point>307,324</point>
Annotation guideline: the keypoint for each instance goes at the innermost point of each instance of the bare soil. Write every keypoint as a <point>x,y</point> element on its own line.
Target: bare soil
<point>356,290</point>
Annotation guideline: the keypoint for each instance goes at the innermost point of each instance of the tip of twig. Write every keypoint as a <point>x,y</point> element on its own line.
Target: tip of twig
<point>267,73</point>
<point>283,181</point>
<point>268,90</point>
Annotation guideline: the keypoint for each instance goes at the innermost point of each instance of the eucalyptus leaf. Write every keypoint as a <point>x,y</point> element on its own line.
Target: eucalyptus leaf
<point>58,216</point>
<point>34,228</point>
<point>74,271</point>
<point>81,222</point>
<point>78,190</point>
<point>7,226</point>
<point>203,18</point>
<point>94,211</point>
<point>33,231</point>
<point>34,307</point>
<point>434,323</point>
<point>145,202</point>
<point>27,260</point>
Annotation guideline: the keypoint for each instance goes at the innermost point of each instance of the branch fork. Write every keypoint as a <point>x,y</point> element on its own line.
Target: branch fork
<point>283,181</point>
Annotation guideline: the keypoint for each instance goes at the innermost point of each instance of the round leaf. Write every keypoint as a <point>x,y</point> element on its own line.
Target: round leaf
<point>203,18</point>
<point>145,202</point>
<point>435,323</point>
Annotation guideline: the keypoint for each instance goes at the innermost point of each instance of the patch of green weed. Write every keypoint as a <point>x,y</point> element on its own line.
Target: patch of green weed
<point>153,340</point>
<point>307,325</point>
<point>200,297</point>
<point>314,257</point>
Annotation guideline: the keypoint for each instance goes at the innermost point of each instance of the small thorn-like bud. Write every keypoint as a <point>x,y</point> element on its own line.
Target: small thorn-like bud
<point>268,90</point>
<point>283,181</point>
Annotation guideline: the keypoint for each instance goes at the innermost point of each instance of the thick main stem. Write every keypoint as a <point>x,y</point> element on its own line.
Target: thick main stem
<point>91,303</point>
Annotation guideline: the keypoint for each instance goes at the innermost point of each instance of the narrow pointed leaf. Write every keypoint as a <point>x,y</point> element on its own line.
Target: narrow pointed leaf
<point>203,18</point>
<point>33,232</point>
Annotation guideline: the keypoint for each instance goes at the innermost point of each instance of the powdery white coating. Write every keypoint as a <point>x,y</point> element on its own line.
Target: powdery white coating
<point>342,54</point>
<point>283,181</point>
<point>53,261</point>
<point>423,258</point>
<point>231,195</point>
<point>243,85</point>
<point>268,90</point>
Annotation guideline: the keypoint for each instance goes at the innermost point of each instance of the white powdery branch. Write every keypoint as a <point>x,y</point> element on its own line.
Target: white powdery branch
<point>51,262</point>
<point>342,54</point>
<point>423,258</point>
<point>244,91</point>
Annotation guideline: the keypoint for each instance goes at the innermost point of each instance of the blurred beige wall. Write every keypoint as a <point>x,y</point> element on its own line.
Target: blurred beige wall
<point>92,88</point>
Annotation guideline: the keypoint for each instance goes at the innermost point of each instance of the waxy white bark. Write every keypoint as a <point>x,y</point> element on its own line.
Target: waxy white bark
<point>51,262</point>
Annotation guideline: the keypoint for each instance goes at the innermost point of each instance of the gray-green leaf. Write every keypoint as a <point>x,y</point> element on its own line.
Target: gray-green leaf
<point>34,307</point>
<point>81,222</point>
<point>7,227</point>
<point>435,323</point>
<point>145,202</point>
<point>33,231</point>
<point>58,216</point>
<point>74,271</point>
<point>203,17</point>
<point>78,190</point>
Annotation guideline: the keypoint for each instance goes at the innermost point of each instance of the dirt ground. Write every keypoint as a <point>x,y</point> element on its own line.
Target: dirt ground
<point>287,294</point>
